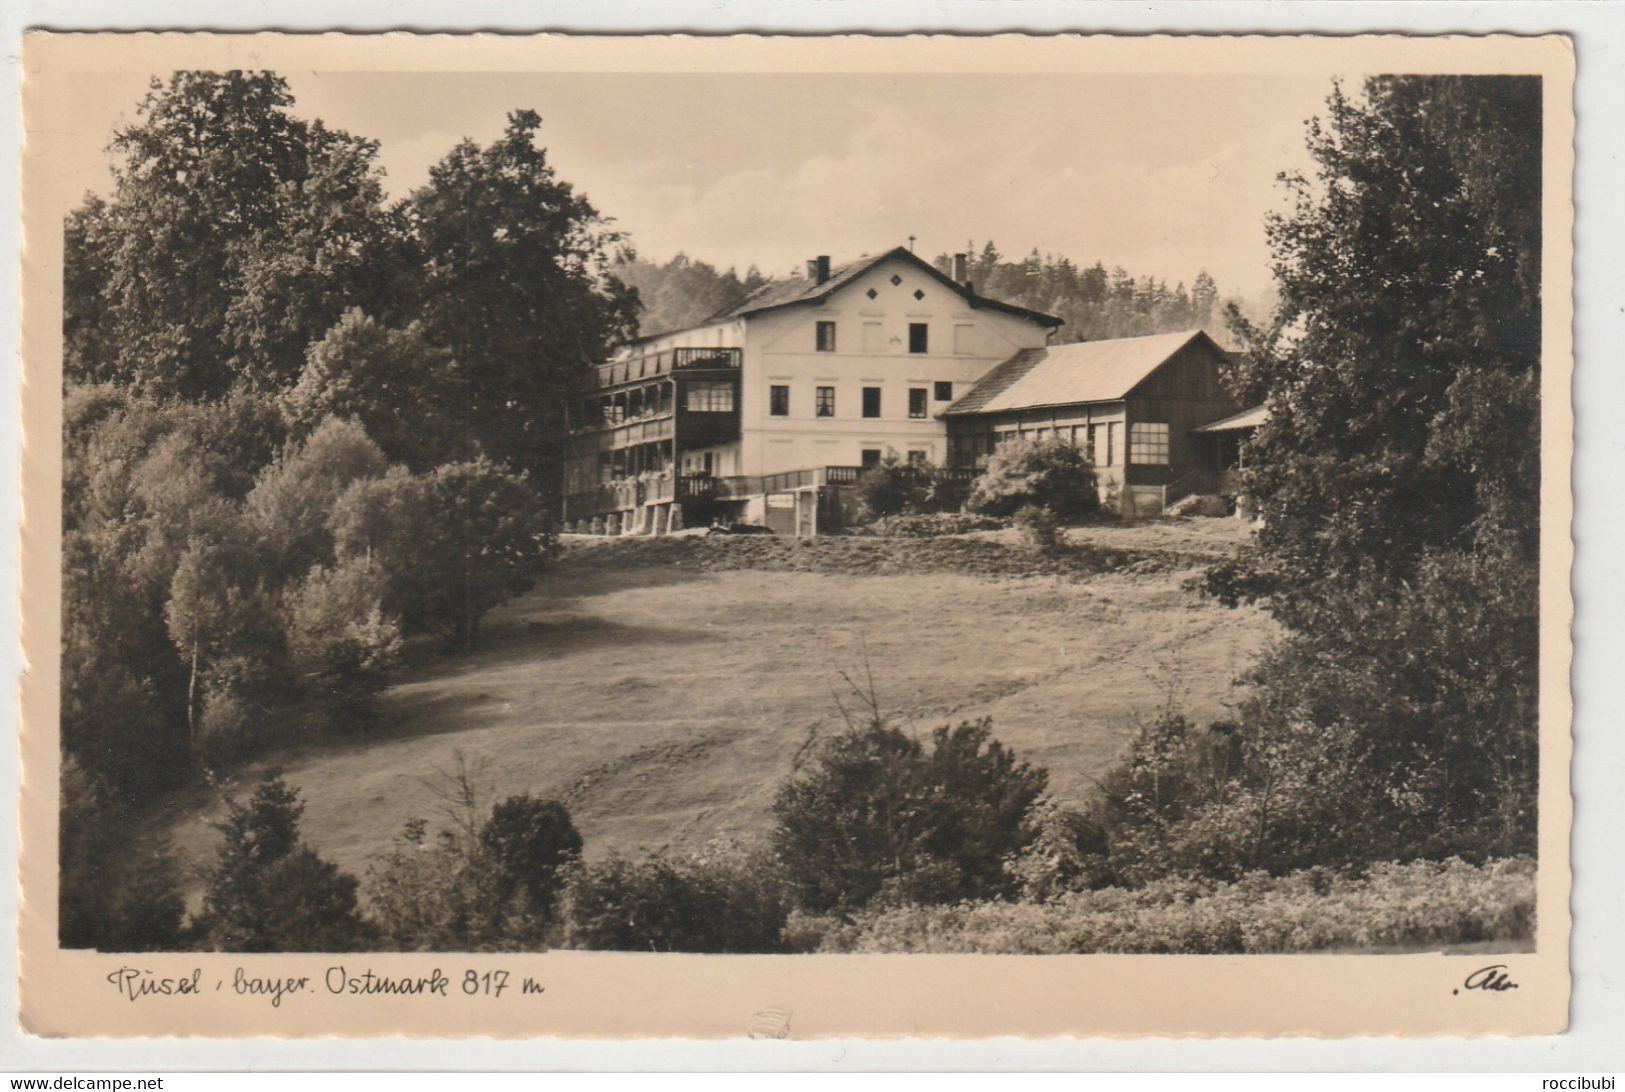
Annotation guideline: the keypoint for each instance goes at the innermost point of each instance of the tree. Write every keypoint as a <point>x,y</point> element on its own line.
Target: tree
<point>404,392</point>
<point>517,284</point>
<point>452,544</point>
<point>269,892</point>
<point>293,498</point>
<point>1398,473</point>
<point>880,815</point>
<point>236,234</point>
<point>341,644</point>
<point>110,897</point>
<point>532,842</point>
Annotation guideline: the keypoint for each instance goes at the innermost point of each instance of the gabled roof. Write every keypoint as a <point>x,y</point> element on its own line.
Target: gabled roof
<point>1085,371</point>
<point>794,290</point>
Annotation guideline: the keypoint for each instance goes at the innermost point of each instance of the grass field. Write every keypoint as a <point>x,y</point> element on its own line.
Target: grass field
<point>665,702</point>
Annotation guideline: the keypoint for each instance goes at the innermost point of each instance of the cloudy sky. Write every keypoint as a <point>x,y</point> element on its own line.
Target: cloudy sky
<point>1163,174</point>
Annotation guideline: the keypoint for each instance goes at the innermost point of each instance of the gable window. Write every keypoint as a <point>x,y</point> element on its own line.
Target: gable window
<point>919,337</point>
<point>824,405</point>
<point>778,400</point>
<point>944,391</point>
<point>871,401</point>
<point>705,397</point>
<point>826,337</point>
<point>874,340</point>
<point>916,401</point>
<point>964,339</point>
<point>1148,443</point>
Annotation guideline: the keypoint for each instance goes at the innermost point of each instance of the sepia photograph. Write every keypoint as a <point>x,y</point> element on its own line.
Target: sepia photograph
<point>983,511</point>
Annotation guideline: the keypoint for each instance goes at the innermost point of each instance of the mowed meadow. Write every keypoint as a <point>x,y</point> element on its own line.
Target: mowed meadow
<point>665,698</point>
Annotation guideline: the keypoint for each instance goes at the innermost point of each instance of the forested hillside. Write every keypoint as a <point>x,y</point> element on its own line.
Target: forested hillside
<point>1094,302</point>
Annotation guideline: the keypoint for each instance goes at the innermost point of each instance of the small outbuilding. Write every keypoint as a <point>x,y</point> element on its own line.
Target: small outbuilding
<point>1135,406</point>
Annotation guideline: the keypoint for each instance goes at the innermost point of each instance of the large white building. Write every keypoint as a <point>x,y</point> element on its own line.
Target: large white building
<point>755,412</point>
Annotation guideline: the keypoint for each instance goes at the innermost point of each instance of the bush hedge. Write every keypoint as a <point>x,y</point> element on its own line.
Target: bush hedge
<point>1421,905</point>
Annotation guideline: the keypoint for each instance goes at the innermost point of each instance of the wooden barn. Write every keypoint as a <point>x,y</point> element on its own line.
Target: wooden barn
<point>1135,406</point>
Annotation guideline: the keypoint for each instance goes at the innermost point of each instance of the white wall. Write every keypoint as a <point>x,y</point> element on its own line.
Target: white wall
<point>780,348</point>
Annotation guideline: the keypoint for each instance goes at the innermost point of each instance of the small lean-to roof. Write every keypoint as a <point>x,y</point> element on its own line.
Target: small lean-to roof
<point>793,290</point>
<point>1247,418</point>
<point>1085,371</point>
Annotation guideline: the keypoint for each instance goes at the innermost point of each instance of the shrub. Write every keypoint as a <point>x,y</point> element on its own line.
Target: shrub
<point>444,894</point>
<point>880,815</point>
<point>111,897</point>
<point>1047,473</point>
<point>453,544</point>
<point>268,892</point>
<point>722,901</point>
<point>531,842</point>
<point>932,524</point>
<point>291,503</point>
<point>887,488</point>
<point>1039,529</point>
<point>341,643</point>
<point>1418,906</point>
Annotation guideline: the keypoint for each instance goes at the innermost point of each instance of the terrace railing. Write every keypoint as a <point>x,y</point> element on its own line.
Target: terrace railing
<point>665,362</point>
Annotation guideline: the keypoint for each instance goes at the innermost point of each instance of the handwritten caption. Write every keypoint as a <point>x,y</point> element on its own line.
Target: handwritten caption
<point>135,984</point>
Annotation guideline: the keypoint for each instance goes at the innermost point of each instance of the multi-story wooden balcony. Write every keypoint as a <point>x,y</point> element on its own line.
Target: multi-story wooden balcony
<point>635,369</point>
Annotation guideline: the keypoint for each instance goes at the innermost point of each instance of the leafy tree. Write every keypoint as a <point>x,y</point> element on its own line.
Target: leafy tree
<point>532,842</point>
<point>517,284</point>
<point>269,892</point>
<point>236,234</point>
<point>1398,473</point>
<point>880,815</point>
<point>453,544</point>
<point>293,498</point>
<point>1045,473</point>
<point>110,897</point>
<point>406,393</point>
<point>341,644</point>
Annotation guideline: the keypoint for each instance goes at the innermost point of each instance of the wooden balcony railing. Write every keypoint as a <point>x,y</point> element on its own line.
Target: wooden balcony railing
<point>665,362</point>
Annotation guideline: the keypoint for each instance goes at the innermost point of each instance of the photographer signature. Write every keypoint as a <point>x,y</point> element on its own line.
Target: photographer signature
<point>1493,979</point>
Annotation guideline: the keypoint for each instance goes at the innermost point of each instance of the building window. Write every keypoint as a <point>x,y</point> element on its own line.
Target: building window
<point>702,397</point>
<point>944,391</point>
<point>964,340</point>
<point>917,456</point>
<point>1114,445</point>
<point>919,340</point>
<point>825,404</point>
<point>778,400</point>
<point>1091,437</point>
<point>871,401</point>
<point>871,457</point>
<point>874,340</point>
<point>826,337</point>
<point>916,401</point>
<point>1148,443</point>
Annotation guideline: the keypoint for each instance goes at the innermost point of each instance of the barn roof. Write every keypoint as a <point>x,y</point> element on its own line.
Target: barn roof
<point>1086,371</point>
<point>792,290</point>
